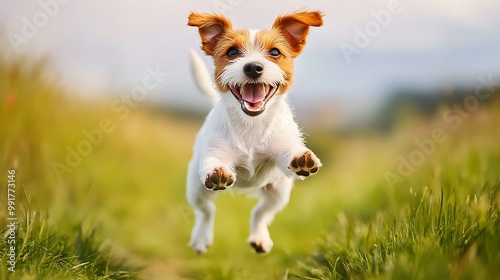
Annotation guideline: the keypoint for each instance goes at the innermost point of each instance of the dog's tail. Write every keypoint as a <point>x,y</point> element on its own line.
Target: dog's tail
<point>202,77</point>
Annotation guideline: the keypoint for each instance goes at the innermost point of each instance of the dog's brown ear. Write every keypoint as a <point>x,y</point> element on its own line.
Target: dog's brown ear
<point>295,27</point>
<point>211,28</point>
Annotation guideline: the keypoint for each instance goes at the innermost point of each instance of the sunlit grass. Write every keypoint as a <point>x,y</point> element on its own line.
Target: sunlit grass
<point>44,252</point>
<point>436,236</point>
<point>441,222</point>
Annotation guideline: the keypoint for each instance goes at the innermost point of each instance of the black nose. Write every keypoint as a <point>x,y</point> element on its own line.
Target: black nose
<point>253,69</point>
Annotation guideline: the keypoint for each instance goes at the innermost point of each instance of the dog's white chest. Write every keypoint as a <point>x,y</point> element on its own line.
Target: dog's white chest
<point>252,171</point>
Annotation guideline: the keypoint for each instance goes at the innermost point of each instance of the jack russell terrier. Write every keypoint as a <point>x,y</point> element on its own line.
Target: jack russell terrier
<point>249,139</point>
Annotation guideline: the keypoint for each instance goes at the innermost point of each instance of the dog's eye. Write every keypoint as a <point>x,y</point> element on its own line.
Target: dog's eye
<point>232,51</point>
<point>274,52</point>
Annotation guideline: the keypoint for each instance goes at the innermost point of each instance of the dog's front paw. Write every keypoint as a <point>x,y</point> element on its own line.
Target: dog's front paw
<point>305,164</point>
<point>219,179</point>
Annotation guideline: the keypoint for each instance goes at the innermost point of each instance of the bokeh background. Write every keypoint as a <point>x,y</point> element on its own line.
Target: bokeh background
<point>101,48</point>
<point>394,97</point>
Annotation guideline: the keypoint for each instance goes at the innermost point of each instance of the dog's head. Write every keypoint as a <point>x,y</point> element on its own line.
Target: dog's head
<point>254,65</point>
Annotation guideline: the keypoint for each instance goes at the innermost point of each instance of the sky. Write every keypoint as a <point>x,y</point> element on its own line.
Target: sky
<point>350,65</point>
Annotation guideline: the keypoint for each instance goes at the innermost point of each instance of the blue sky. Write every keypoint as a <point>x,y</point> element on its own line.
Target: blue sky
<point>105,46</point>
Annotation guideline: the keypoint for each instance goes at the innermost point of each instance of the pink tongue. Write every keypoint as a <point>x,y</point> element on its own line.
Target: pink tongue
<point>253,93</point>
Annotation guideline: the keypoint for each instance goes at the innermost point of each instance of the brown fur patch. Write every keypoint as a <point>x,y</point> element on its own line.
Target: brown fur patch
<point>295,27</point>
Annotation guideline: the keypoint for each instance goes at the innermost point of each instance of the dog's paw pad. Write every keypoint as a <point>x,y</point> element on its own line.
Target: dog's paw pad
<point>305,164</point>
<point>220,179</point>
<point>261,246</point>
<point>258,248</point>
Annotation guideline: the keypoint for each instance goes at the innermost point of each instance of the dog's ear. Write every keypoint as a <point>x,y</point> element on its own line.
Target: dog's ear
<point>295,27</point>
<point>211,28</point>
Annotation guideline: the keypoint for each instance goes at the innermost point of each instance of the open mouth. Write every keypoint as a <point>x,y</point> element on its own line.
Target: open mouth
<point>253,97</point>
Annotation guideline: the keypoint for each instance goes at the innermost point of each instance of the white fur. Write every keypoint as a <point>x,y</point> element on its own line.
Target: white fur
<point>253,34</point>
<point>233,75</point>
<point>257,151</point>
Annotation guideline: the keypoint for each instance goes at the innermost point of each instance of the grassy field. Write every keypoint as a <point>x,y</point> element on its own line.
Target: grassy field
<point>101,196</point>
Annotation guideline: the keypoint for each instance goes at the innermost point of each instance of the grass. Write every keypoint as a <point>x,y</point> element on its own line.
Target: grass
<point>120,213</point>
<point>43,252</point>
<point>442,222</point>
<point>436,237</point>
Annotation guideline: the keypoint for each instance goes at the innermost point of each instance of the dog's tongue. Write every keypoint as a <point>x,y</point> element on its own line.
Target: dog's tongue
<point>253,93</point>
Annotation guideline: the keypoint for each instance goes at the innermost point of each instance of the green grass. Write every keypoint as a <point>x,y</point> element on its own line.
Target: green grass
<point>121,211</point>
<point>441,222</point>
<point>436,237</point>
<point>43,252</point>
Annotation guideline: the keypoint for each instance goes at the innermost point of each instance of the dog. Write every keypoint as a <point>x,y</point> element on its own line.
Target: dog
<point>249,139</point>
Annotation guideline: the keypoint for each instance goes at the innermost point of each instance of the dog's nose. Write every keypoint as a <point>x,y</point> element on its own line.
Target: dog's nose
<point>253,69</point>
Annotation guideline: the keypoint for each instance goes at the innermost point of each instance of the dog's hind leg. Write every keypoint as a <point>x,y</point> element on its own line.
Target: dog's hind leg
<point>202,201</point>
<point>273,198</point>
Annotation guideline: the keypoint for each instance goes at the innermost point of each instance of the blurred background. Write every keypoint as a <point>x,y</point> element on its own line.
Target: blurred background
<point>100,48</point>
<point>93,146</point>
